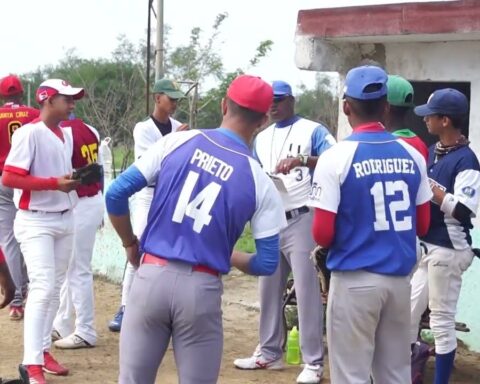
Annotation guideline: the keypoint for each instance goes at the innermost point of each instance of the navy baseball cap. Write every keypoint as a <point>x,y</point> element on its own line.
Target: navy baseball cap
<point>281,88</point>
<point>359,79</point>
<point>445,101</point>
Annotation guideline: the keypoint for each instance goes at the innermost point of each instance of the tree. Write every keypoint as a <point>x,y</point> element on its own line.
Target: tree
<point>321,103</point>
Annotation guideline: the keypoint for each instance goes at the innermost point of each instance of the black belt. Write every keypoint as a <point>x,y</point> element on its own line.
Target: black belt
<point>60,212</point>
<point>296,212</point>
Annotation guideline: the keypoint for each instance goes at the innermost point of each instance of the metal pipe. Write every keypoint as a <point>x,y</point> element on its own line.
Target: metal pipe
<point>159,70</point>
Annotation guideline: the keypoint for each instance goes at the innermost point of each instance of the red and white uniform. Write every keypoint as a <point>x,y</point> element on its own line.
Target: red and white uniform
<point>44,228</point>
<point>38,151</point>
<point>12,117</point>
<point>76,297</point>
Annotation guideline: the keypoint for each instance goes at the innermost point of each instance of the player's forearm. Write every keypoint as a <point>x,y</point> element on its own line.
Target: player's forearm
<point>29,182</point>
<point>123,227</point>
<point>312,162</point>
<point>264,262</point>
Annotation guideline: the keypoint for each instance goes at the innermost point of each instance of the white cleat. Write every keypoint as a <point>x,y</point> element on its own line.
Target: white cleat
<point>72,342</point>
<point>311,374</point>
<point>257,361</point>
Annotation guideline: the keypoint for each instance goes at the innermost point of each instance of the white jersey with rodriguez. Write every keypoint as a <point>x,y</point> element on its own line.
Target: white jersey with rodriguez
<point>38,151</point>
<point>200,208</point>
<point>275,143</point>
<point>145,134</point>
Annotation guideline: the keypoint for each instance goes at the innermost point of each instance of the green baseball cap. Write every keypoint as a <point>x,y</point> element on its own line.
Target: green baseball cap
<point>168,87</point>
<point>399,91</point>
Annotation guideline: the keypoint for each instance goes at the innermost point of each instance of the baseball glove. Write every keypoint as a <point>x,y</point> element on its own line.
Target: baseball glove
<point>319,256</point>
<point>90,174</point>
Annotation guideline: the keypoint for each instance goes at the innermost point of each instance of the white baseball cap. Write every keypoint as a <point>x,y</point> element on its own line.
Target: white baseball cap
<point>52,87</point>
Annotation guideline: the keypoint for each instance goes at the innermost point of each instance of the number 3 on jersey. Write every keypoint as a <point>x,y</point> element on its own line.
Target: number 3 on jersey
<point>200,206</point>
<point>379,191</point>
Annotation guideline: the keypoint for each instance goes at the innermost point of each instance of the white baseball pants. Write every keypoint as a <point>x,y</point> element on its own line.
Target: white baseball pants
<point>76,295</point>
<point>143,200</point>
<point>367,328</point>
<point>437,283</point>
<point>46,241</point>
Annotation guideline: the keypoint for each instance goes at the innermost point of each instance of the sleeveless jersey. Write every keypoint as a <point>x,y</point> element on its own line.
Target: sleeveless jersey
<point>85,151</point>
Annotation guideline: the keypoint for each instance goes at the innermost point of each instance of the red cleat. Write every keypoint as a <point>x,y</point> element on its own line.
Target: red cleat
<point>32,374</point>
<point>52,366</point>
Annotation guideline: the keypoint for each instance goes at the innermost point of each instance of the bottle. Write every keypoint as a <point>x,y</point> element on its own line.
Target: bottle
<point>106,155</point>
<point>293,347</point>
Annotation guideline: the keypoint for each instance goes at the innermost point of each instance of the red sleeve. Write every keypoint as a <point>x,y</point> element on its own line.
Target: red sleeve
<point>28,182</point>
<point>323,228</point>
<point>2,257</point>
<point>423,218</point>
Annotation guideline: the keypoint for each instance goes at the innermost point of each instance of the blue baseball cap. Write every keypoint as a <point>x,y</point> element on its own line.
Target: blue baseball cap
<point>281,88</point>
<point>359,78</point>
<point>445,101</point>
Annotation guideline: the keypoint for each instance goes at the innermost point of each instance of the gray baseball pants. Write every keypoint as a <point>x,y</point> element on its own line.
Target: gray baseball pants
<point>368,328</point>
<point>172,302</point>
<point>296,244</point>
<point>9,244</point>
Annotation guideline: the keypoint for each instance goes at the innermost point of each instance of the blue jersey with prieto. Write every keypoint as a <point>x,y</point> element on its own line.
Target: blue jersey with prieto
<point>372,182</point>
<point>207,188</point>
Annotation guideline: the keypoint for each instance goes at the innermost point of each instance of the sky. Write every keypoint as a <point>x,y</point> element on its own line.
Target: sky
<point>36,33</point>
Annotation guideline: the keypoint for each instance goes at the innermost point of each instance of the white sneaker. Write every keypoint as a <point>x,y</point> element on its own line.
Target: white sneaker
<point>311,374</point>
<point>257,361</point>
<point>56,335</point>
<point>72,342</point>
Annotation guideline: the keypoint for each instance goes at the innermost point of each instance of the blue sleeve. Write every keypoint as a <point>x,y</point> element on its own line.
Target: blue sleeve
<point>124,186</point>
<point>320,141</point>
<point>265,261</point>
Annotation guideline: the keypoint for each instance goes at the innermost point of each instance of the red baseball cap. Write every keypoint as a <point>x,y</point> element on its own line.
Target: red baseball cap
<point>251,92</point>
<point>52,87</point>
<point>10,86</point>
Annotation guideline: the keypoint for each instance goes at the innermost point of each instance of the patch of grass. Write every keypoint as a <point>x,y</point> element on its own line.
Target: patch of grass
<point>246,242</point>
<point>120,153</point>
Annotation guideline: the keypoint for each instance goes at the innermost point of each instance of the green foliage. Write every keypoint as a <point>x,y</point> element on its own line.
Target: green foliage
<point>246,242</point>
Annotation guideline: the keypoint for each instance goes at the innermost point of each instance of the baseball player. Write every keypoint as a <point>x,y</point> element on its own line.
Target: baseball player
<point>39,167</point>
<point>76,295</point>
<point>288,150</point>
<point>454,173</point>
<point>13,114</point>
<point>7,286</point>
<point>400,97</point>
<point>371,198</point>
<point>160,123</point>
<point>207,188</point>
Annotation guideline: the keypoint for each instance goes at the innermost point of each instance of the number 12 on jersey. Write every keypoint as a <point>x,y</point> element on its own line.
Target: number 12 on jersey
<point>200,206</point>
<point>379,191</point>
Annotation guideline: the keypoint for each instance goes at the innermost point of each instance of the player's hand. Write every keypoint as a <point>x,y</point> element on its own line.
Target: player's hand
<point>183,127</point>
<point>7,288</point>
<point>133,254</point>
<point>67,184</point>
<point>438,194</point>
<point>286,165</point>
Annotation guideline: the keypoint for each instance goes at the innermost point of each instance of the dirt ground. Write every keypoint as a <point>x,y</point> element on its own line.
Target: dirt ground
<point>100,364</point>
